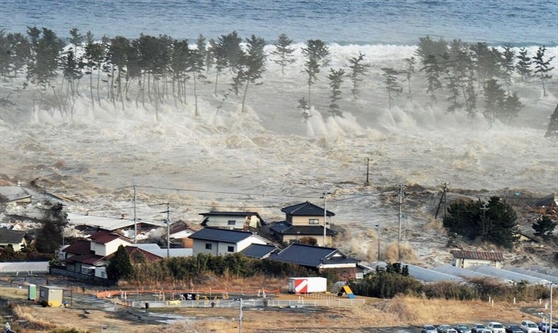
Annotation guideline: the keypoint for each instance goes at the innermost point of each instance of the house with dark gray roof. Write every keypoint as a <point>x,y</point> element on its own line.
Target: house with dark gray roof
<point>304,220</point>
<point>320,258</point>
<point>232,220</point>
<point>15,238</point>
<point>217,241</point>
<point>259,251</point>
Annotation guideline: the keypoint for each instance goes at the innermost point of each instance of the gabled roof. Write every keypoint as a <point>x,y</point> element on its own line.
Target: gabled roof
<point>162,252</point>
<point>259,251</point>
<point>104,237</point>
<point>312,256</point>
<point>221,235</point>
<point>11,236</point>
<point>224,213</point>
<point>285,228</point>
<point>81,246</point>
<point>89,259</point>
<point>132,249</point>
<point>477,255</point>
<point>306,209</point>
<point>106,223</point>
<point>179,226</point>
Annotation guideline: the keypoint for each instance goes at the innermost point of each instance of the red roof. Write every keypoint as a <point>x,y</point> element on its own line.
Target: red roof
<point>103,237</point>
<point>477,255</point>
<point>81,246</point>
<point>90,259</point>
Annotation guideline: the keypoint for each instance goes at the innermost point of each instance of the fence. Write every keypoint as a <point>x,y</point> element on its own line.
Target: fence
<point>249,303</point>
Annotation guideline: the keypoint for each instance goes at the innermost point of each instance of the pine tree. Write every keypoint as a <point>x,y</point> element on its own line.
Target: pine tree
<point>542,66</point>
<point>120,266</point>
<point>284,52</point>
<point>552,131</point>
<point>195,66</point>
<point>523,65</point>
<point>544,226</point>
<point>392,87</point>
<point>357,69</point>
<point>20,51</point>
<point>75,37</point>
<point>178,67</point>
<point>5,58</point>
<point>317,56</point>
<point>201,44</point>
<point>427,47</point>
<point>471,96</point>
<point>508,66</point>
<point>253,63</point>
<point>335,80</point>
<point>409,71</point>
<point>433,71</point>
<point>303,105</point>
<point>118,55</point>
<point>493,99</point>
<point>94,55</point>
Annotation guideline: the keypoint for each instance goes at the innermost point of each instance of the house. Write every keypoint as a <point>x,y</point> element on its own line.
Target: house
<point>321,258</point>
<point>217,241</point>
<point>232,220</point>
<point>111,223</point>
<point>92,256</point>
<point>181,232</point>
<point>259,251</point>
<point>466,259</point>
<point>15,238</point>
<point>162,252</point>
<point>14,194</point>
<point>304,220</point>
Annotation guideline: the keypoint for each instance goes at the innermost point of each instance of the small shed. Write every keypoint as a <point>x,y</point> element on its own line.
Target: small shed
<point>54,296</point>
<point>31,292</point>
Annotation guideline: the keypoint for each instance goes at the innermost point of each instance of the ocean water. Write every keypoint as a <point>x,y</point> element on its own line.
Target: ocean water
<point>399,22</point>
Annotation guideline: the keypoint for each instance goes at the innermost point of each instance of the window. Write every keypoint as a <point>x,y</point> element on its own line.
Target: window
<point>230,248</point>
<point>208,246</point>
<point>313,221</point>
<point>231,222</point>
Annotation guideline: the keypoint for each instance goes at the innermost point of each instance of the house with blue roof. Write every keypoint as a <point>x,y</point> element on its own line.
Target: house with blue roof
<point>320,258</point>
<point>304,220</point>
<point>217,241</point>
<point>259,251</point>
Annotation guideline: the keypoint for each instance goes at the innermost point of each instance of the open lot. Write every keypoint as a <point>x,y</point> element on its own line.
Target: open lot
<point>401,314</point>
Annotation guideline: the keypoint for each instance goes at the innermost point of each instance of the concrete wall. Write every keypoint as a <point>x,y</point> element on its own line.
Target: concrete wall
<point>24,267</point>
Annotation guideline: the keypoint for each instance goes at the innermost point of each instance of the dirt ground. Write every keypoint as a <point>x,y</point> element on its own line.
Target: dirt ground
<point>401,314</point>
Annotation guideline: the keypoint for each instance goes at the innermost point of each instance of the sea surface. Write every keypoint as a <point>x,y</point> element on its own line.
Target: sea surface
<point>398,22</point>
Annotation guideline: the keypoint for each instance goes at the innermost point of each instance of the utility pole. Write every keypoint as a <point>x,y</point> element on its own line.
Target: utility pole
<point>400,195</point>
<point>240,318</point>
<point>135,219</point>
<point>378,226</point>
<point>367,183</point>
<point>324,196</point>
<point>168,228</point>
<point>442,200</point>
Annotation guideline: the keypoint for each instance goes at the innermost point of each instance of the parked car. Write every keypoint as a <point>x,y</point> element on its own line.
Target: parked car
<point>543,326</point>
<point>443,328</point>
<point>513,329</point>
<point>450,330</point>
<point>477,327</point>
<point>496,327</point>
<point>429,329</point>
<point>462,328</point>
<point>529,327</point>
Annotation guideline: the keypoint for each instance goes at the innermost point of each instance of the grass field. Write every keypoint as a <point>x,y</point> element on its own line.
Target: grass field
<point>373,316</point>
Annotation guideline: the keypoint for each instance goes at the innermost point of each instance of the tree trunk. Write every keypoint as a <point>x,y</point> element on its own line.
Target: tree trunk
<point>245,92</point>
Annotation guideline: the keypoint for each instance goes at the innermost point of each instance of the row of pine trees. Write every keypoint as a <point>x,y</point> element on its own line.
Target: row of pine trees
<point>162,68</point>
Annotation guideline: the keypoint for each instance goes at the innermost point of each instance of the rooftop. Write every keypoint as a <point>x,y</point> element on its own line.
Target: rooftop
<point>306,209</point>
<point>478,255</point>
<point>221,235</point>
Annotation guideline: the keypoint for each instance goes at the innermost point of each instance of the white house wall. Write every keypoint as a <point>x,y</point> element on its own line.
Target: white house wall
<point>305,220</point>
<point>110,247</point>
<point>199,247</point>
